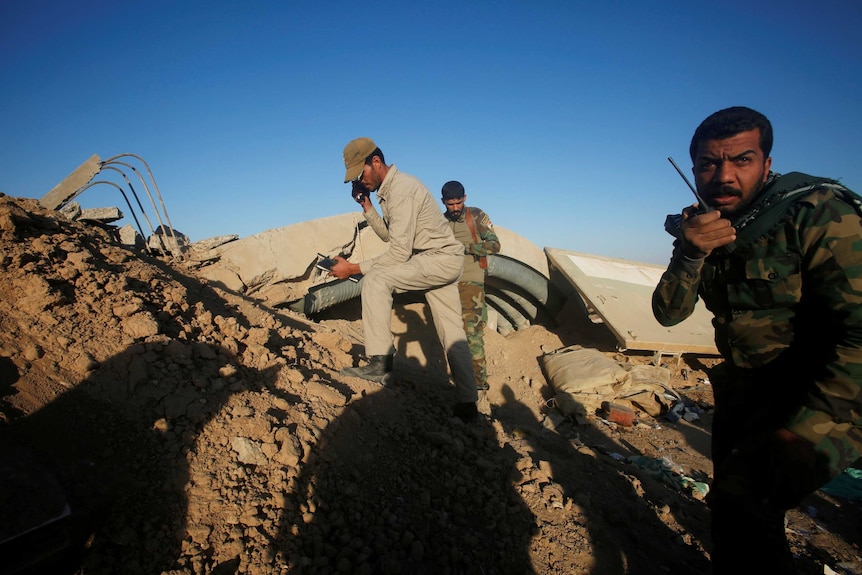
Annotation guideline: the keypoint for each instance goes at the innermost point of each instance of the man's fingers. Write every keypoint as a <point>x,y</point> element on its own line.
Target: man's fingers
<point>707,231</point>
<point>707,219</point>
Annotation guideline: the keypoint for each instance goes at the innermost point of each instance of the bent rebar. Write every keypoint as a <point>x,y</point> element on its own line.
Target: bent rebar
<point>131,209</point>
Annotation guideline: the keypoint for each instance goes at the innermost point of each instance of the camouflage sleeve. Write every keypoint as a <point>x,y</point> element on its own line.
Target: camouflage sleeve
<point>489,242</point>
<point>675,296</point>
<point>830,236</point>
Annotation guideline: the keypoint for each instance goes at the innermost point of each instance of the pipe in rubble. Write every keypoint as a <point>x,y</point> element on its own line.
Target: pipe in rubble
<point>532,281</point>
<point>505,309</point>
<point>519,293</point>
<point>326,295</point>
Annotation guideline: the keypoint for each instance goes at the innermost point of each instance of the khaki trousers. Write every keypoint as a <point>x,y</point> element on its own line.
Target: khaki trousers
<point>438,274</point>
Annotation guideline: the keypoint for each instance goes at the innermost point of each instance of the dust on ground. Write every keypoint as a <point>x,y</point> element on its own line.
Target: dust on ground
<point>192,430</point>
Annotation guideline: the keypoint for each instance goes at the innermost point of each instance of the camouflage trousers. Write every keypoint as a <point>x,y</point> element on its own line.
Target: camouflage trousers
<point>756,478</point>
<point>475,316</point>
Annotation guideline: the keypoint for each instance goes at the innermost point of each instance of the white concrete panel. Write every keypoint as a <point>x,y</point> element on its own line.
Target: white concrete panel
<point>620,292</point>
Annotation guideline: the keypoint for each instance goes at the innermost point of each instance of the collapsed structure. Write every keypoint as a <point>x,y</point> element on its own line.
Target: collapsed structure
<point>526,285</point>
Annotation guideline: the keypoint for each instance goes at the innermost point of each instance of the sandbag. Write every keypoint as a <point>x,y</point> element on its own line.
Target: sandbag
<point>649,389</point>
<point>583,378</point>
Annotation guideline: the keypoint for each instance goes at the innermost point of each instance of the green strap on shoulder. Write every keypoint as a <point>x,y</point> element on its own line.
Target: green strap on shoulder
<point>781,193</point>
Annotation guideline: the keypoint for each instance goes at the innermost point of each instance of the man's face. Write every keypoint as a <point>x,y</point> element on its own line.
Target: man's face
<point>370,177</point>
<point>454,207</point>
<point>729,173</point>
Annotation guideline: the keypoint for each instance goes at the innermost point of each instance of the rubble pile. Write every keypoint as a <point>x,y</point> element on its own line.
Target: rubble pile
<point>191,430</point>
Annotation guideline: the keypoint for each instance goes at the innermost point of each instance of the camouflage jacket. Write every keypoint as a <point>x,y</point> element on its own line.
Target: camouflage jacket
<point>787,306</point>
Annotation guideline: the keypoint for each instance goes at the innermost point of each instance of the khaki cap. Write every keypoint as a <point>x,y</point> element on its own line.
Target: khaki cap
<point>355,153</point>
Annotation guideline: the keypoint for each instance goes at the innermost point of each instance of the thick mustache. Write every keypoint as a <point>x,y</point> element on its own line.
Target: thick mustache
<point>728,191</point>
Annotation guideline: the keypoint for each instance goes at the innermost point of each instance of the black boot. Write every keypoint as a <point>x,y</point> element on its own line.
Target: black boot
<point>378,370</point>
<point>466,411</point>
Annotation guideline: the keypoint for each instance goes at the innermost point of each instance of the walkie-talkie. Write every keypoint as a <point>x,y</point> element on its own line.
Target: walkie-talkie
<point>325,263</point>
<point>703,206</point>
<point>673,222</point>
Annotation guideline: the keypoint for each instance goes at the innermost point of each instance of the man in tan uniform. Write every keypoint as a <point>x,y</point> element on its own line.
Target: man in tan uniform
<point>423,254</point>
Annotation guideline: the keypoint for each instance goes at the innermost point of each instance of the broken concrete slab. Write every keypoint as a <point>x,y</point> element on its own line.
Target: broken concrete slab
<point>103,215</point>
<point>68,188</point>
<point>129,236</point>
<point>620,291</point>
<point>168,241</point>
<point>211,243</point>
<point>287,255</point>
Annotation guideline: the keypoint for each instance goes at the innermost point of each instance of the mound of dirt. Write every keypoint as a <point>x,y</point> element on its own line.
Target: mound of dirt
<point>152,423</point>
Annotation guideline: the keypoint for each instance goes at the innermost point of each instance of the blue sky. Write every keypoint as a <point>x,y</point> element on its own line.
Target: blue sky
<point>557,116</point>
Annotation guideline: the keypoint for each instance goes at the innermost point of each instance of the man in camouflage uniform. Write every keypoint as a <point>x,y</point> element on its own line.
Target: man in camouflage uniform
<point>473,228</point>
<point>778,261</point>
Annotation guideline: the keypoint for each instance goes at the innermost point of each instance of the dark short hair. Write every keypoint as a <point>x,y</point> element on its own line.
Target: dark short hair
<point>729,122</point>
<point>377,153</point>
<point>452,190</point>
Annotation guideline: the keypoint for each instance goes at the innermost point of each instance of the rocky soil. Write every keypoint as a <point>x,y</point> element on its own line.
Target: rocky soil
<point>193,431</point>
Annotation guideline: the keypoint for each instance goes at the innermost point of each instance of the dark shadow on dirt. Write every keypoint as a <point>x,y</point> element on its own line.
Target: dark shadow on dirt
<point>116,445</point>
<point>415,342</point>
<point>577,325</point>
<point>367,505</point>
<point>8,376</point>
<point>363,502</point>
<point>623,534</point>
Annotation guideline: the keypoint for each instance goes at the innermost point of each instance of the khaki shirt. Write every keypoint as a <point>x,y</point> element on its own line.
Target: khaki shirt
<point>411,222</point>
